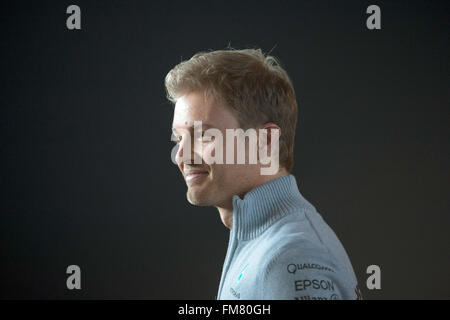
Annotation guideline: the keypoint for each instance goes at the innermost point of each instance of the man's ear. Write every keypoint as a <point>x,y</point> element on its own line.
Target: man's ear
<point>264,140</point>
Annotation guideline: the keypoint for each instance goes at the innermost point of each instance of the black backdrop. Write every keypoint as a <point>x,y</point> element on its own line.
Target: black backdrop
<point>86,176</point>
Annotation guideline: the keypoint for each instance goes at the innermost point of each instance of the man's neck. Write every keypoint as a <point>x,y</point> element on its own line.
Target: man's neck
<point>226,210</point>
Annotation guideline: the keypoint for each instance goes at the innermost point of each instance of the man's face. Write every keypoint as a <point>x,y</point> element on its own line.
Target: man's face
<point>214,184</point>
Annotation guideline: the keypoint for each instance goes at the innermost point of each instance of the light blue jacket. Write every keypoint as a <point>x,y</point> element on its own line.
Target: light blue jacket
<point>281,248</point>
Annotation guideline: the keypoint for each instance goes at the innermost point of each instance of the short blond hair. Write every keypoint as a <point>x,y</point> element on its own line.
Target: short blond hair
<point>254,86</point>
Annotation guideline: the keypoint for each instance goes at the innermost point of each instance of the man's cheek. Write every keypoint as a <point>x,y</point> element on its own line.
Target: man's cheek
<point>213,154</point>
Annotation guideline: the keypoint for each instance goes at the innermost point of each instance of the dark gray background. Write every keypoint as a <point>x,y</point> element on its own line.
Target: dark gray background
<point>86,176</point>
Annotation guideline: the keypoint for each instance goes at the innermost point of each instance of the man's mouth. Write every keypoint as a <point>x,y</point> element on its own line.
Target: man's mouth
<point>194,175</point>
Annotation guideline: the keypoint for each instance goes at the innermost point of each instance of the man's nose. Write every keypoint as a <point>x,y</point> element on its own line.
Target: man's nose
<point>179,154</point>
<point>188,153</point>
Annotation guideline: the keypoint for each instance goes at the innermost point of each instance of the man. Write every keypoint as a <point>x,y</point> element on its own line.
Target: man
<point>279,247</point>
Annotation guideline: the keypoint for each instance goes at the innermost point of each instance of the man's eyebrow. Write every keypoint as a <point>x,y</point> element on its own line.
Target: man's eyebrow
<point>190,128</point>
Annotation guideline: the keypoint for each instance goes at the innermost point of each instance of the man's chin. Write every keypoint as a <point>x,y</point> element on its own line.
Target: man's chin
<point>198,197</point>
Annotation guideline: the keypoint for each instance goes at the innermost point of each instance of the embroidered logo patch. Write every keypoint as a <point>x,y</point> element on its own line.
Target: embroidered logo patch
<point>241,274</point>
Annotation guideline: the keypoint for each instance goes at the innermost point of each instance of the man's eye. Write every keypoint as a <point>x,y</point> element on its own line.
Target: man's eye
<point>206,135</point>
<point>201,135</point>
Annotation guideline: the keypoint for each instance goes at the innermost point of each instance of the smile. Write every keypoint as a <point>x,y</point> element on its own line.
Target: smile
<point>196,176</point>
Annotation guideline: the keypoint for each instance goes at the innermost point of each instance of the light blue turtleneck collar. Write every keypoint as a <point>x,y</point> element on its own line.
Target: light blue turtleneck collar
<point>265,204</point>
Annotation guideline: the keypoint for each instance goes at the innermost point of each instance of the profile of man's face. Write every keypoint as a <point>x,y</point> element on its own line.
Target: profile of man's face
<point>208,184</point>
